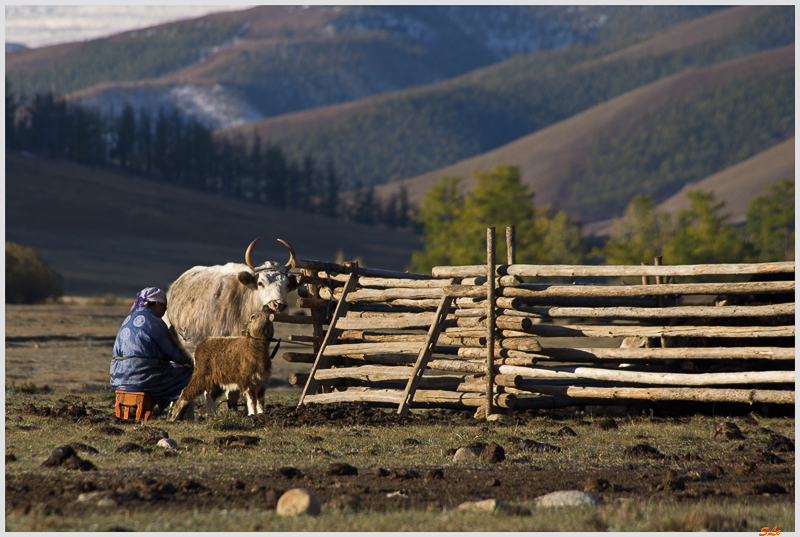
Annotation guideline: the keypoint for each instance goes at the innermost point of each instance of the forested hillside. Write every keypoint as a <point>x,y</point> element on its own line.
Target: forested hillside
<point>554,154</point>
<point>228,68</point>
<point>407,133</point>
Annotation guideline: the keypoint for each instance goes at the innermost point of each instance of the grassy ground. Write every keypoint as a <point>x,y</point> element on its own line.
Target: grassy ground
<point>699,479</point>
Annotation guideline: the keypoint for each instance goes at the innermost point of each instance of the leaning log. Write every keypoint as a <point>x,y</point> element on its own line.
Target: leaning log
<point>707,395</point>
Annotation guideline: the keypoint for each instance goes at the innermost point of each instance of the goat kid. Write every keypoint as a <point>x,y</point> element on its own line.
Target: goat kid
<point>232,363</point>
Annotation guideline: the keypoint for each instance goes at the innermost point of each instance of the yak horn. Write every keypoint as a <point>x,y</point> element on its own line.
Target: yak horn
<point>292,255</point>
<point>247,255</point>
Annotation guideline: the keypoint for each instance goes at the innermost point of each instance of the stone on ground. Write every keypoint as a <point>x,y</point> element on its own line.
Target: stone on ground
<point>296,502</point>
<point>565,498</point>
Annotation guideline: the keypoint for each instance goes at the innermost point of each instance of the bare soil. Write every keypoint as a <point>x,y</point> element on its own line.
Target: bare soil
<point>739,456</point>
<point>753,462</point>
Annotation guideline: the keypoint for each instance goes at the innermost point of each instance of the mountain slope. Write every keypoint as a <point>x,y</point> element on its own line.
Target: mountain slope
<point>546,156</point>
<point>404,134</point>
<point>739,184</point>
<point>271,60</point>
<point>108,232</point>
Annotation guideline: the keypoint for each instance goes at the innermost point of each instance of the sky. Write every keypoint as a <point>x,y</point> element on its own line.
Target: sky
<point>40,25</point>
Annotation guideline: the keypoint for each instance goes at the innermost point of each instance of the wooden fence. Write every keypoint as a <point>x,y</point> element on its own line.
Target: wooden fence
<point>484,336</point>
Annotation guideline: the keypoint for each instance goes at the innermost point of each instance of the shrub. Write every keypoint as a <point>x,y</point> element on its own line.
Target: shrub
<point>28,279</point>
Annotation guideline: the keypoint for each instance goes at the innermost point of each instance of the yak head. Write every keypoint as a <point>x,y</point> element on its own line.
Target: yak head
<point>271,282</point>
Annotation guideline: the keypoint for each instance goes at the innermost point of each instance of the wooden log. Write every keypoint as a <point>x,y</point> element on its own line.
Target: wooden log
<point>373,281</point>
<point>657,353</point>
<point>378,307</point>
<point>374,373</point>
<point>299,357</point>
<point>705,312</point>
<point>505,281</point>
<point>316,280</point>
<point>305,339</point>
<point>639,377</point>
<point>490,318</point>
<point>321,361</point>
<point>466,291</point>
<point>383,295</point>
<point>425,352</point>
<point>472,312</point>
<point>506,302</point>
<point>455,331</point>
<point>673,394</point>
<point>544,403</point>
<point>622,331</point>
<point>472,322</point>
<point>394,322</point>
<point>296,319</point>
<point>458,366</point>
<point>506,322</point>
<point>300,379</point>
<point>328,267</point>
<point>521,344</point>
<point>355,394</point>
<point>615,271</point>
<point>546,290</point>
<point>312,303</point>
<point>372,348</point>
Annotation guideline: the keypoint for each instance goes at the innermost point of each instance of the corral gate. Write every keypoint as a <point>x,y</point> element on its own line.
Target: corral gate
<point>405,340</point>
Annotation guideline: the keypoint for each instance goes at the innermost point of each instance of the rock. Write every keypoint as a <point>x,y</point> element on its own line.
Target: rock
<point>566,498</point>
<point>502,418</point>
<point>566,431</point>
<point>346,503</point>
<point>434,473</point>
<point>76,463</point>
<point>642,450</point>
<point>779,442</point>
<point>86,448</point>
<point>491,505</point>
<point>607,424</point>
<point>127,447</point>
<point>59,455</point>
<point>596,484</point>
<point>341,468</point>
<point>465,454</point>
<point>296,502</point>
<point>728,430</point>
<point>537,447</point>
<point>236,440</point>
<point>151,436</point>
<point>493,453</point>
<point>167,443</point>
<point>290,472</point>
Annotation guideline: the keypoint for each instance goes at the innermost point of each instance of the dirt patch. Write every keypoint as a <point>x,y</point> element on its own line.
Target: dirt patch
<point>509,472</point>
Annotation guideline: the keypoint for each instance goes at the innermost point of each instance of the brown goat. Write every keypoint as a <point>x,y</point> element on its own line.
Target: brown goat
<point>232,363</point>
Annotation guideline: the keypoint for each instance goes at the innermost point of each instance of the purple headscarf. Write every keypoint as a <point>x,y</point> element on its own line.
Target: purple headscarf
<point>147,296</point>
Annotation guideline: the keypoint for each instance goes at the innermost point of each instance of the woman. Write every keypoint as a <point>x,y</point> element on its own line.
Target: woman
<point>146,357</point>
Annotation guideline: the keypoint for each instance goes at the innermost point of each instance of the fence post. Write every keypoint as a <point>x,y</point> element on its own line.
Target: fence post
<point>511,245</point>
<point>490,319</point>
